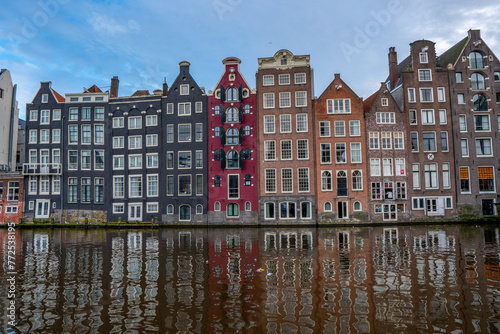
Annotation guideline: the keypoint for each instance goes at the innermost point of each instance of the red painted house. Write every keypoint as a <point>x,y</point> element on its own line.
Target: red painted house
<point>232,173</point>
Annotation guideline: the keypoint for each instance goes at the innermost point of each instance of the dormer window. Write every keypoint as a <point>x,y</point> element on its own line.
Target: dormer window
<point>284,61</point>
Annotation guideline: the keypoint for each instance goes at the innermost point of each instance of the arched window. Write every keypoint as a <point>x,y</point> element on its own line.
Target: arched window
<point>357,180</point>
<point>217,181</point>
<point>246,108</point>
<point>326,181</point>
<point>232,137</point>
<point>232,115</point>
<point>341,183</point>
<point>328,206</point>
<point>217,206</point>
<point>170,209</point>
<point>476,60</point>
<point>233,210</point>
<point>217,110</point>
<point>357,206</point>
<point>248,154</point>
<point>217,155</point>
<point>199,209</point>
<point>248,206</point>
<point>217,131</point>
<point>248,180</point>
<point>232,159</point>
<point>480,102</point>
<point>477,81</point>
<point>232,94</point>
<point>184,212</point>
<point>247,132</point>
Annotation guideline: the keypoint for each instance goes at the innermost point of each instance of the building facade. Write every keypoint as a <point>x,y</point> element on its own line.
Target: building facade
<point>474,78</point>
<point>285,139</point>
<point>9,114</point>
<point>11,197</point>
<point>386,158</point>
<point>420,84</point>
<point>342,192</point>
<point>232,173</point>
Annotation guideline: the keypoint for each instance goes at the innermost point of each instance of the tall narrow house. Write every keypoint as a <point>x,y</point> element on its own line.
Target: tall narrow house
<point>184,149</point>
<point>342,193</point>
<point>286,139</point>
<point>232,164</point>
<point>474,78</point>
<point>420,85</point>
<point>9,114</point>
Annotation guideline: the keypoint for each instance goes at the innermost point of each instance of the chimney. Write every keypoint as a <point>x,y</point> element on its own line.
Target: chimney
<point>113,92</point>
<point>393,67</point>
<point>165,86</point>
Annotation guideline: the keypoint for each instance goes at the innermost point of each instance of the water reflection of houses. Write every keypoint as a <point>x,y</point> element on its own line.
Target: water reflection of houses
<point>289,261</point>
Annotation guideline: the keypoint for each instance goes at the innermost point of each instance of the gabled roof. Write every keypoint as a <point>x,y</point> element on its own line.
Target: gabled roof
<point>451,55</point>
<point>141,93</point>
<point>367,104</point>
<point>93,89</point>
<point>58,96</point>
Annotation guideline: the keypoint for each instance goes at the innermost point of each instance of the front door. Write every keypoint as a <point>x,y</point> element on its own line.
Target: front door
<point>135,211</point>
<point>42,209</point>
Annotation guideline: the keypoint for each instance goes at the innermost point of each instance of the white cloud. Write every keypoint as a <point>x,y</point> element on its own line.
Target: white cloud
<point>108,26</point>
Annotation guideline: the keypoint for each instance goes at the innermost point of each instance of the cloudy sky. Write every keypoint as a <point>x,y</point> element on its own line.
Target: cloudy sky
<point>76,44</point>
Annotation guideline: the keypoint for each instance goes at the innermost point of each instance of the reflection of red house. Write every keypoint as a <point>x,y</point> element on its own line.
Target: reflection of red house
<point>232,156</point>
<point>233,292</point>
<point>11,197</point>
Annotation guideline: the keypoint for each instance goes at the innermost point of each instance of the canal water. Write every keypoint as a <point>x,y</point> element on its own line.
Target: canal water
<point>420,279</point>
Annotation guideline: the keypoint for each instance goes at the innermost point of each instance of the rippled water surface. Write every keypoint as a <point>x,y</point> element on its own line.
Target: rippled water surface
<point>422,279</point>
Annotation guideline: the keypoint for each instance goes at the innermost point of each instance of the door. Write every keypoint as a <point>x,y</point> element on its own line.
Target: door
<point>135,211</point>
<point>488,207</point>
<point>342,210</point>
<point>431,206</point>
<point>42,209</point>
<point>44,161</point>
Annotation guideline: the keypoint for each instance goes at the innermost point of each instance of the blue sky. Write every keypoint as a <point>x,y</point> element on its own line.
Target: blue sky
<point>76,44</point>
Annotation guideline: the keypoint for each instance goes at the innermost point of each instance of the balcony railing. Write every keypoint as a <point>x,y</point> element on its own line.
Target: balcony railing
<point>42,169</point>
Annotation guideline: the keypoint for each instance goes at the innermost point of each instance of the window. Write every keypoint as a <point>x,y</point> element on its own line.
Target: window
<point>427,117</point>
<point>486,181</point>
<point>464,180</point>
<point>424,75</point>
<point>340,156</point>
<point>387,167</point>
<point>302,149</point>
<point>326,181</point>
<point>268,80</point>
<point>118,122</point>
<point>170,185</point>
<point>386,140</point>
<point>444,141</point>
<point>232,94</point>
<point>414,141</point>
<point>72,190</point>
<point>430,173</point>
<point>98,160</point>
<point>460,99</point>
<point>357,180</point>
<point>399,140</point>
<point>384,101</point>
<point>56,156</point>
<point>184,185</point>
<point>354,128</point>
<point>429,141</point>
<point>86,184</point>
<point>285,123</point>
<point>184,109</point>
<point>268,100</point>
<point>152,160</point>
<point>301,99</point>
<point>184,90</point>
<point>301,122</point>
<point>45,117</point>
<point>400,190</point>
<point>184,159</point>
<point>300,78</point>
<point>286,150</point>
<point>45,98</point>
<point>269,150</point>
<point>400,166</point>
<point>284,79</point>
<point>247,132</point>
<point>185,212</point>
<point>476,60</point>
<point>86,114</point>
<point>341,183</point>
<point>479,102</point>
<point>217,206</point>
<point>482,122</point>
<point>151,140</point>
<point>411,95</point>
<point>199,132</point>
<point>170,133</point>
<point>446,175</point>
<point>462,123</point>
<point>464,145</point>
<point>232,159</point>
<point>56,184</point>
<point>426,95</point>
<point>375,167</point>
<point>118,162</point>
<point>184,133</point>
<point>328,206</point>
<point>388,190</point>
<point>246,109</point>
<point>198,107</point>
<point>217,181</point>
<point>497,75</point>
<point>233,210</point>
<point>170,108</point>
<point>270,180</point>
<point>376,191</point>
<point>232,115</point>
<point>135,161</point>
<point>374,140</point>
<point>118,142</point>
<point>85,159</point>
<point>338,106</point>
<point>303,179</point>
<point>134,142</point>
<point>339,128</point>
<point>152,185</point>
<point>73,134</point>
<point>135,122</point>
<point>305,211</point>
<point>152,207</point>
<point>385,118</point>
<point>441,94</point>
<point>232,137</point>
<point>477,81</point>
<point>233,182</point>
<point>151,120</point>
<point>416,176</point>
<point>324,129</point>
<point>458,77</point>
<point>99,113</point>
<point>286,180</point>
<point>355,152</point>
<point>33,136</point>
<point>98,134</point>
<point>248,180</point>
<point>73,160</point>
<point>325,149</point>
<point>13,191</point>
<point>269,124</point>
<point>442,116</point>
<point>287,210</point>
<point>285,101</point>
<point>86,134</point>
<point>483,147</point>
<point>199,159</point>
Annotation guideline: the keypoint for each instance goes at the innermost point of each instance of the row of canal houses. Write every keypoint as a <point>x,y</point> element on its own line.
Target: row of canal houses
<point>423,145</point>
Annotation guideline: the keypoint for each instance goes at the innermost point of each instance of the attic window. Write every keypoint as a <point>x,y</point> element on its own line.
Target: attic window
<point>73,99</point>
<point>45,98</point>
<point>385,102</point>
<point>423,58</point>
<point>184,89</point>
<point>1,93</point>
<point>284,61</point>
<point>86,99</point>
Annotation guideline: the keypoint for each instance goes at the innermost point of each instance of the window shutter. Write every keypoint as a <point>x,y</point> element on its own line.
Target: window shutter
<point>240,114</point>
<point>241,135</point>
<point>222,159</point>
<point>222,136</point>
<point>217,155</point>
<point>242,156</point>
<point>240,93</point>
<point>222,93</point>
<point>222,114</point>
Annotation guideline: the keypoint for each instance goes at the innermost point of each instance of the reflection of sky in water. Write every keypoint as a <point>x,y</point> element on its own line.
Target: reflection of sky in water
<point>419,279</point>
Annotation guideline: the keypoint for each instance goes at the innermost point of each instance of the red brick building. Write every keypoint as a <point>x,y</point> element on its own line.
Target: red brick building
<point>232,173</point>
<point>11,197</point>
<point>342,193</point>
